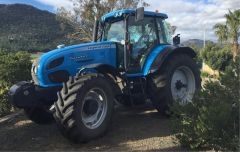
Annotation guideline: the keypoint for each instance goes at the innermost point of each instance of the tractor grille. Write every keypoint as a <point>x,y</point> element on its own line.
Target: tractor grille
<point>55,63</point>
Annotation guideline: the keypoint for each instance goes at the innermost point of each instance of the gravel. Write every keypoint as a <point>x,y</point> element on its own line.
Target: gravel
<point>132,129</point>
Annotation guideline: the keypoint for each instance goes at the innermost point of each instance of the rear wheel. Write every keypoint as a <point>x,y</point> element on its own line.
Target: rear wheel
<point>84,107</point>
<point>39,115</point>
<point>178,79</point>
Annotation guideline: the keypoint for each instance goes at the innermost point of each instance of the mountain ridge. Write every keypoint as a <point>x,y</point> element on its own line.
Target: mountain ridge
<point>196,42</point>
<point>25,27</point>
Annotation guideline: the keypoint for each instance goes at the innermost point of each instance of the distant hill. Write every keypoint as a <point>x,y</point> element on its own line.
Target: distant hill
<point>196,42</point>
<point>24,27</point>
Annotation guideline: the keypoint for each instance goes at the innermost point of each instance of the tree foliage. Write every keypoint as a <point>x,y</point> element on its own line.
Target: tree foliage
<point>86,11</point>
<point>221,32</point>
<point>216,57</point>
<point>14,67</point>
<point>211,120</point>
<point>230,31</point>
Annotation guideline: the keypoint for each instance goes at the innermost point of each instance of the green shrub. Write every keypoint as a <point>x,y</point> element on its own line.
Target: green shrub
<point>197,50</point>
<point>216,57</point>
<point>14,67</point>
<point>211,121</point>
<point>204,74</point>
<point>5,106</point>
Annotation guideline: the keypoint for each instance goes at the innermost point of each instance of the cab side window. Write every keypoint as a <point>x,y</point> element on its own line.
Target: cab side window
<point>163,32</point>
<point>142,35</point>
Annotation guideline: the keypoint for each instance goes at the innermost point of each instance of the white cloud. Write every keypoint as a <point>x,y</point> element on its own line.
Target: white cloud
<point>58,3</point>
<point>191,17</point>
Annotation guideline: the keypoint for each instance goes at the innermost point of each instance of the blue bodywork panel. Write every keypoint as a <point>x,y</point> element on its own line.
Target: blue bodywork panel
<point>75,57</point>
<point>119,13</point>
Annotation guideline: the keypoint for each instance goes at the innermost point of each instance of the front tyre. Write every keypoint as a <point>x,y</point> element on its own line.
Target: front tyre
<point>84,107</point>
<point>178,79</point>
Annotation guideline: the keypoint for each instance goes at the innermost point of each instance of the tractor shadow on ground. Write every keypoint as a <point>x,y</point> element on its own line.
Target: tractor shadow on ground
<point>131,128</point>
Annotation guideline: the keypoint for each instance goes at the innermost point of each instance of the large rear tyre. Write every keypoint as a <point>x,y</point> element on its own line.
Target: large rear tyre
<point>39,115</point>
<point>178,79</point>
<point>84,107</point>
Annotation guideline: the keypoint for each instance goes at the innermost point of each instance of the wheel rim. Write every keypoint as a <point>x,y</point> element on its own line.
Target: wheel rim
<point>94,108</point>
<point>183,84</point>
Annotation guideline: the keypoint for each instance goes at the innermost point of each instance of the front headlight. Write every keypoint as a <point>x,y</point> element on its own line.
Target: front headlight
<point>35,69</point>
<point>35,66</point>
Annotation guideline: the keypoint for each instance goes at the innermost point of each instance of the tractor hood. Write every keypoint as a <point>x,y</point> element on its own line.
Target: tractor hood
<point>54,67</point>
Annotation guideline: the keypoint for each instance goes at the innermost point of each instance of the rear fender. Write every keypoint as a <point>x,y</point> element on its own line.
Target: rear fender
<point>167,53</point>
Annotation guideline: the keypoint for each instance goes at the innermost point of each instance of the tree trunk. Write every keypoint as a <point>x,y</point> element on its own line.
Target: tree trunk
<point>236,50</point>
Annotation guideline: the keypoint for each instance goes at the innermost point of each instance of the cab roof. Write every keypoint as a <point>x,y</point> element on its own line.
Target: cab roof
<point>119,13</point>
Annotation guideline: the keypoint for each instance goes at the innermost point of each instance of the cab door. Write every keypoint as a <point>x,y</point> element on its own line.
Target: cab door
<point>142,39</point>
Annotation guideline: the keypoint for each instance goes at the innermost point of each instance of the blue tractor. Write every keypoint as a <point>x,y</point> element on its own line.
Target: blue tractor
<point>130,60</point>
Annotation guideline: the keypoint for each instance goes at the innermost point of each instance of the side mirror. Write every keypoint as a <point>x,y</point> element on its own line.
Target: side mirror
<point>176,39</point>
<point>139,14</point>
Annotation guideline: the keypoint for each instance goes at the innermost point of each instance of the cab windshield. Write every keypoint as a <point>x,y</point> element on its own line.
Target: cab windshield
<point>114,31</point>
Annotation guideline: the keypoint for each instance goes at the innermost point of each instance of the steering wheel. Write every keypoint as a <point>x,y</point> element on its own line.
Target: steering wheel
<point>141,39</point>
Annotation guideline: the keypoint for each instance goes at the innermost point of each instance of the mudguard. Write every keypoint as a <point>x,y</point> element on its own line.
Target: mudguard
<point>166,53</point>
<point>100,68</point>
<point>158,55</point>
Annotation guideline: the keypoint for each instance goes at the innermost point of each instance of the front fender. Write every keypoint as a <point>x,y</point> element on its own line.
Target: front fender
<point>100,68</point>
<point>104,69</point>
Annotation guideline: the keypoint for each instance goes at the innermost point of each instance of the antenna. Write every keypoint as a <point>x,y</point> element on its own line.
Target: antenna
<point>204,36</point>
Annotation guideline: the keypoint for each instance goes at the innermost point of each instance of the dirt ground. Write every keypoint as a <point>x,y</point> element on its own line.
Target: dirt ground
<point>138,129</point>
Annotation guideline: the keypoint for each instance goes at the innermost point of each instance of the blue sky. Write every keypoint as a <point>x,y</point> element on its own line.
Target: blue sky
<point>192,17</point>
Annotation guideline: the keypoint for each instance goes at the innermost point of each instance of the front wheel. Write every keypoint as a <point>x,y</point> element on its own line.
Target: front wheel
<point>84,107</point>
<point>178,79</point>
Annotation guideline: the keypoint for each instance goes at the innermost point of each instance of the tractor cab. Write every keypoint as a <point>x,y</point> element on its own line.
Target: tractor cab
<point>136,34</point>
